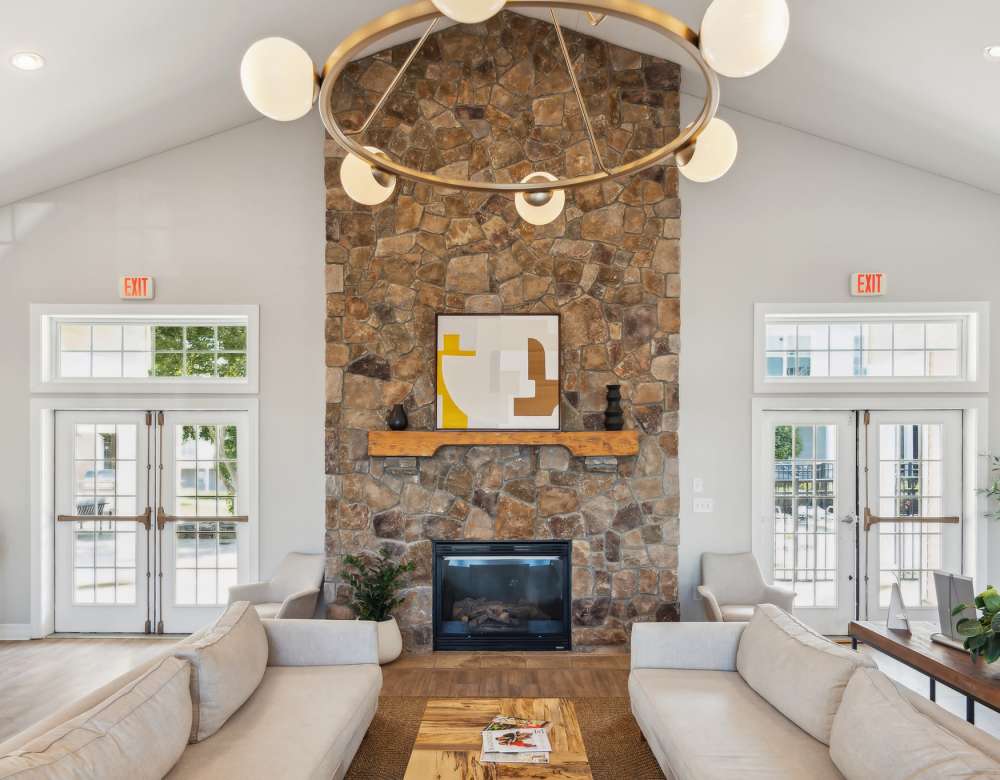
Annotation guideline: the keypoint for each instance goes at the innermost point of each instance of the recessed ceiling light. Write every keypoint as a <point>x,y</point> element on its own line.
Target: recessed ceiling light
<point>27,60</point>
<point>992,53</point>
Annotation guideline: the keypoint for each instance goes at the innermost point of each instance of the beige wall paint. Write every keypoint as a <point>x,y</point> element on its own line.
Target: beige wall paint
<point>234,218</point>
<point>790,221</point>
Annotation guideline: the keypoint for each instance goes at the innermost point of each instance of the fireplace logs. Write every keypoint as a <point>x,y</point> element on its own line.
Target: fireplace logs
<point>481,612</point>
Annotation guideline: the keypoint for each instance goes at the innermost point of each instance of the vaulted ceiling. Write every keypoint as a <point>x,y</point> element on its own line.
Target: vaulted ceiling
<point>126,79</point>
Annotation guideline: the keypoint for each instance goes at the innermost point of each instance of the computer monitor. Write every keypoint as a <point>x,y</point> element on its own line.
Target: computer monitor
<point>952,590</point>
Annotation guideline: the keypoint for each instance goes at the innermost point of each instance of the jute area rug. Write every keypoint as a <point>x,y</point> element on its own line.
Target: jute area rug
<point>615,748</point>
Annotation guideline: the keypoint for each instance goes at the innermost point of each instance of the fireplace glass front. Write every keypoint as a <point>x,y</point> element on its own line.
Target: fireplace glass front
<point>502,595</point>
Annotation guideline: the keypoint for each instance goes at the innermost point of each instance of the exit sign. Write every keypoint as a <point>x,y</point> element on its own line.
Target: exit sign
<point>135,287</point>
<point>868,284</point>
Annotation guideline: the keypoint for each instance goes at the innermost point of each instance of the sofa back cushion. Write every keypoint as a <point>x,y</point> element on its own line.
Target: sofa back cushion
<point>878,733</point>
<point>140,731</point>
<point>227,664</point>
<point>802,674</point>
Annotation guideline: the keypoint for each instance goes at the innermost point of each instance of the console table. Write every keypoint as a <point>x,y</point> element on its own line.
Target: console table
<point>977,680</point>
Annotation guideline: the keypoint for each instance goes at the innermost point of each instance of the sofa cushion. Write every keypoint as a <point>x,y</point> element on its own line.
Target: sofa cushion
<point>737,613</point>
<point>878,733</point>
<point>138,732</point>
<point>802,673</point>
<point>708,724</point>
<point>299,723</point>
<point>227,663</point>
<point>268,610</point>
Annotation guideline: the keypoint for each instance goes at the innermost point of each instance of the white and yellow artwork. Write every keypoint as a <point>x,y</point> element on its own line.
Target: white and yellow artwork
<point>498,372</point>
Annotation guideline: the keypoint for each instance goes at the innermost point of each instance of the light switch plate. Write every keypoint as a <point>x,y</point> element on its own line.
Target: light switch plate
<point>704,505</point>
<point>698,485</point>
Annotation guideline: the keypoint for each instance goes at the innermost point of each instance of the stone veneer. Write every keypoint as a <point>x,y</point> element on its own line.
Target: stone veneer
<point>494,101</point>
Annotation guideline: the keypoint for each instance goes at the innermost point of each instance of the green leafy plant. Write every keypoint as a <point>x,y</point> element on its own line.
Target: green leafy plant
<point>375,584</point>
<point>992,493</point>
<point>982,635</point>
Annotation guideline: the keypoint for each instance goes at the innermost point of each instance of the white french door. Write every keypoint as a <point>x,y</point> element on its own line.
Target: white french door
<point>102,536</point>
<point>153,518</point>
<point>901,471</point>
<point>204,541</point>
<point>807,542</point>
<point>914,497</point>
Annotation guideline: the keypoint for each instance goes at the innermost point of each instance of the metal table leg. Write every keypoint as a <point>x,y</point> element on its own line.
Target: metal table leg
<point>970,709</point>
<point>933,689</point>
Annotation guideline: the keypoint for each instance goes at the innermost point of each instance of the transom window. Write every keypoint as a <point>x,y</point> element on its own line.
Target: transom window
<point>905,347</point>
<point>143,348</point>
<point>874,348</point>
<point>805,512</point>
<point>117,350</point>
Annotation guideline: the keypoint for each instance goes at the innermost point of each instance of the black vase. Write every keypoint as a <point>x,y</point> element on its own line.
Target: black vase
<point>613,418</point>
<point>397,418</point>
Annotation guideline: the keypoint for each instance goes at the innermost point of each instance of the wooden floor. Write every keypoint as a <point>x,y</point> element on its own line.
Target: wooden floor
<point>509,675</point>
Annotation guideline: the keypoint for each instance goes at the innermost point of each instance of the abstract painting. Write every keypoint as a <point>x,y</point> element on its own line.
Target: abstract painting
<point>498,372</point>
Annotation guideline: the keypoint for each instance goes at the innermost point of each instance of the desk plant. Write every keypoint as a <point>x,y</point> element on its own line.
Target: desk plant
<point>982,635</point>
<point>376,586</point>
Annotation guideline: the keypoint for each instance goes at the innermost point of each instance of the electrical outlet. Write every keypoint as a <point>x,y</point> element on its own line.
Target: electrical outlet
<point>704,505</point>
<point>698,485</point>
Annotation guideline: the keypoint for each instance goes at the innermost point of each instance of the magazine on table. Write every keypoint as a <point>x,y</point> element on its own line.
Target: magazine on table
<point>504,722</point>
<point>531,740</point>
<point>513,758</point>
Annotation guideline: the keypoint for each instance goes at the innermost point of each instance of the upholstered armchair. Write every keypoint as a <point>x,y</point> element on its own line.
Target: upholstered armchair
<point>292,591</point>
<point>731,585</point>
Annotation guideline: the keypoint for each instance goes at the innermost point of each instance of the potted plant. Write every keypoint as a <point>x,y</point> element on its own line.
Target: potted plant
<point>376,583</point>
<point>982,635</point>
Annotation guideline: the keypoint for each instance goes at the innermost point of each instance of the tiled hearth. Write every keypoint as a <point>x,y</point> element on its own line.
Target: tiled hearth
<point>495,100</point>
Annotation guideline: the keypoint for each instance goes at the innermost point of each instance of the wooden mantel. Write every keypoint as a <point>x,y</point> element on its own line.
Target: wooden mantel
<point>424,444</point>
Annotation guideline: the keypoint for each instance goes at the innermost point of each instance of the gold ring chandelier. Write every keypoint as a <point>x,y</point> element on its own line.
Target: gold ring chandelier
<point>738,38</point>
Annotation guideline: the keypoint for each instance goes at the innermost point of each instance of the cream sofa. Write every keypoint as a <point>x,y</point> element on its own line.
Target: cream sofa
<point>305,717</point>
<point>773,699</point>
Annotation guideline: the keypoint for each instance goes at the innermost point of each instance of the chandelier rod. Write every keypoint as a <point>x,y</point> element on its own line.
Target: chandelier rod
<point>576,89</point>
<point>396,79</point>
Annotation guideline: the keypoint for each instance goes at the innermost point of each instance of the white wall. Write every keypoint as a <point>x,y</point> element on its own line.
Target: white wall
<point>234,218</point>
<point>789,223</point>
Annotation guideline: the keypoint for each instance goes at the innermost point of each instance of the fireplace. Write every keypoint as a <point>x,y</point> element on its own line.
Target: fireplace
<point>502,595</point>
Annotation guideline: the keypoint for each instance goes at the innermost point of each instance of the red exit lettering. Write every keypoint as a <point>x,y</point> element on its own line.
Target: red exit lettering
<point>868,284</point>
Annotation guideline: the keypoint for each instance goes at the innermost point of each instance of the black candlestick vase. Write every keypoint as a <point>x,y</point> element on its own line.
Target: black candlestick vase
<point>614,420</point>
<point>398,419</point>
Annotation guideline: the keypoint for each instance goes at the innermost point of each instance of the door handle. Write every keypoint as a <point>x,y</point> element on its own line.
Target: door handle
<point>143,519</point>
<point>162,518</point>
<point>849,519</point>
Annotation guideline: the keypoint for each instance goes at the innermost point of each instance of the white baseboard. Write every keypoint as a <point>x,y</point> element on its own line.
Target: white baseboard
<point>15,630</point>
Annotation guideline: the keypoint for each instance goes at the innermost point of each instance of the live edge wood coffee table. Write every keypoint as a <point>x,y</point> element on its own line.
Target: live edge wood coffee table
<point>449,741</point>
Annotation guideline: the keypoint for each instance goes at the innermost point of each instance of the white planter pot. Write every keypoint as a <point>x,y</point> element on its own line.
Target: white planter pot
<point>390,641</point>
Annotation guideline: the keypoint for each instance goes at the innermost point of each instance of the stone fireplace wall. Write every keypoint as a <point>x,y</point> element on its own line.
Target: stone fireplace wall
<point>495,100</point>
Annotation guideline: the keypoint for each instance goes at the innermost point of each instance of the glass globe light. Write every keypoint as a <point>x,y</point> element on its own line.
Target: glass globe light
<point>539,208</point>
<point>278,79</point>
<point>714,153</point>
<point>363,183</point>
<point>741,37</point>
<point>469,11</point>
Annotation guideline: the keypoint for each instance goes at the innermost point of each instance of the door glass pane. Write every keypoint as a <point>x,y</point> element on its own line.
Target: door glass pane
<point>805,512</point>
<point>104,484</point>
<point>205,486</point>
<point>910,485</point>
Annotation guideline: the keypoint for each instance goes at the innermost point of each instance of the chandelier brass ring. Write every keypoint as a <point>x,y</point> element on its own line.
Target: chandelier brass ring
<point>376,31</point>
